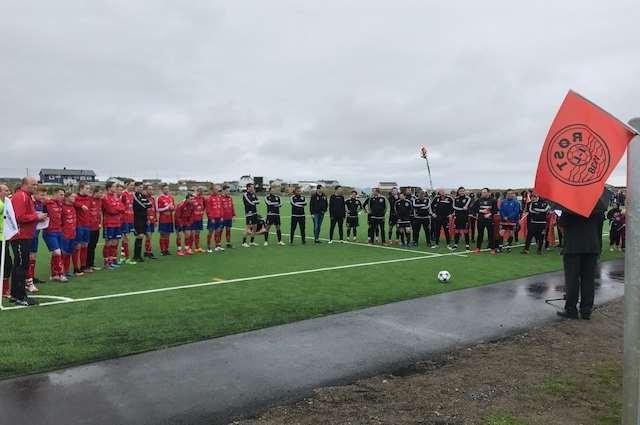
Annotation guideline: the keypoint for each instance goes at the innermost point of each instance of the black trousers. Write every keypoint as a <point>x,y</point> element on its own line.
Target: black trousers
<point>488,225</point>
<point>535,230</point>
<point>375,225</point>
<point>339,221</point>
<point>419,224</point>
<point>295,221</point>
<point>21,249</point>
<point>579,280</point>
<point>441,223</point>
<point>8,263</point>
<point>94,236</point>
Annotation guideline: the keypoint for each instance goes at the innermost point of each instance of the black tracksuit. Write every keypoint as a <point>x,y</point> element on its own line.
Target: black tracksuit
<point>536,223</point>
<point>353,208</point>
<point>337,213</point>
<point>141,204</point>
<point>403,209</point>
<point>442,207</point>
<point>489,207</point>
<point>274,203</point>
<point>393,215</point>
<point>461,209</point>
<point>377,211</point>
<point>421,219</point>
<point>298,202</point>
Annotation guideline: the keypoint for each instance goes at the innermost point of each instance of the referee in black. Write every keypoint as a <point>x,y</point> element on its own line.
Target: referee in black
<point>141,204</point>
<point>582,246</point>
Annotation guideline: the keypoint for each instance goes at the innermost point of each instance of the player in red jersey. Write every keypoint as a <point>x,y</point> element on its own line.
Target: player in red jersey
<point>112,211</point>
<point>184,222</point>
<point>39,199</point>
<point>214,218</point>
<point>95,210</point>
<point>165,205</point>
<point>127,219</point>
<point>82,203</point>
<point>152,220</point>
<point>198,202</point>
<point>52,235</point>
<point>69,227</point>
<point>228,213</point>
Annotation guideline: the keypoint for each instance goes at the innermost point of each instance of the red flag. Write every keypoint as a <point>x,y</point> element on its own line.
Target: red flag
<point>583,146</point>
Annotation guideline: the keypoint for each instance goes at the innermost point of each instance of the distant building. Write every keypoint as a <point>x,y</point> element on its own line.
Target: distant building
<point>330,183</point>
<point>153,182</point>
<point>234,185</point>
<point>387,185</point>
<point>66,176</point>
<point>244,181</point>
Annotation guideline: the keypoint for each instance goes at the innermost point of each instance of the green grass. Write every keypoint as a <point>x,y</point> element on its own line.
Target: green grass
<point>50,337</point>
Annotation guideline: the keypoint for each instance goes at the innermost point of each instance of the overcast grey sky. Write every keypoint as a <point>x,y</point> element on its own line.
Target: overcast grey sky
<point>305,89</point>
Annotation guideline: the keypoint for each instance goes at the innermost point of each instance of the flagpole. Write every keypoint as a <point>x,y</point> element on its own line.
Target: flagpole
<point>426,158</point>
<point>631,371</point>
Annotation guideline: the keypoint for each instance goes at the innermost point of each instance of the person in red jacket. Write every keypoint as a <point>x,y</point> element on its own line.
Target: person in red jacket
<point>184,221</point>
<point>95,210</point>
<point>165,207</point>
<point>228,213</point>
<point>126,197</point>
<point>27,219</point>
<point>152,220</point>
<point>214,218</point>
<point>69,230</point>
<point>52,235</point>
<point>82,203</point>
<point>112,211</point>
<point>198,203</point>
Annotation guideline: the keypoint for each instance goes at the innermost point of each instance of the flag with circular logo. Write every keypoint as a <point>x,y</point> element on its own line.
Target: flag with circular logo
<point>582,148</point>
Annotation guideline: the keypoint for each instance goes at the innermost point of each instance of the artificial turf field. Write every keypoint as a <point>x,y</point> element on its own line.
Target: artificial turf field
<point>176,300</point>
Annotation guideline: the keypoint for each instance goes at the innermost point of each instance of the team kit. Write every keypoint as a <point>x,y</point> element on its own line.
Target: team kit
<point>132,209</point>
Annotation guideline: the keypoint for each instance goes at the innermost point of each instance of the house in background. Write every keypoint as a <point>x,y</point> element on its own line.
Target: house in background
<point>387,186</point>
<point>67,177</point>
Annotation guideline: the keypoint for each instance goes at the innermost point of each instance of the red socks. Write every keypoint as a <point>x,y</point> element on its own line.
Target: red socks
<point>57,265</point>
<point>209,240</point>
<point>196,238</point>
<point>178,244</point>
<point>218,237</point>
<point>66,259</point>
<point>228,234</point>
<point>83,257</point>
<point>125,247</point>
<point>164,243</point>
<point>6,288</point>
<point>32,268</point>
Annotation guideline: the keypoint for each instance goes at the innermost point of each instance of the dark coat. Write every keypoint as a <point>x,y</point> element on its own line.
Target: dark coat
<point>583,235</point>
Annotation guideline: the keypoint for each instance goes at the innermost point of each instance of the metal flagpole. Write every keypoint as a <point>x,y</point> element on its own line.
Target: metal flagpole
<point>424,154</point>
<point>631,375</point>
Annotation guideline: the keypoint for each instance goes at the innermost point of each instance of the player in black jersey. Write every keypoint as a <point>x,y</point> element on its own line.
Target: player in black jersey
<point>354,206</point>
<point>421,217</point>
<point>337,212</point>
<point>403,209</point>
<point>461,206</point>
<point>473,218</point>
<point>377,210</point>
<point>537,210</point>
<point>298,202</point>
<point>486,208</point>
<point>393,198</point>
<point>441,209</point>
<point>273,216</point>
<point>250,201</point>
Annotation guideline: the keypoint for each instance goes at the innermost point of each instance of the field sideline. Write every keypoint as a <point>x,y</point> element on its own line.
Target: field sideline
<point>176,300</point>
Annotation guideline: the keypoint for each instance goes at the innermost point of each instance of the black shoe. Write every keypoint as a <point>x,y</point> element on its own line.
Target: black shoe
<point>138,259</point>
<point>150,256</point>
<point>25,302</point>
<point>567,315</point>
<point>164,253</point>
<point>585,316</point>
<point>229,245</point>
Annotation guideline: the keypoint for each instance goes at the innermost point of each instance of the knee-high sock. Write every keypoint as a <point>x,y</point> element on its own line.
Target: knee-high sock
<point>75,256</point>
<point>125,247</point>
<point>197,240</point>
<point>66,258</point>
<point>218,237</point>
<point>178,244</point>
<point>105,253</point>
<point>228,234</point>
<point>57,265</point>
<point>147,245</point>
<point>32,268</point>
<point>137,248</point>
<point>279,234</point>
<point>209,240</point>
<point>83,256</point>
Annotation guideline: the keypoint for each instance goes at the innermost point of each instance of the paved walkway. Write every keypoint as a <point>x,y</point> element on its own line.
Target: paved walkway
<point>212,381</point>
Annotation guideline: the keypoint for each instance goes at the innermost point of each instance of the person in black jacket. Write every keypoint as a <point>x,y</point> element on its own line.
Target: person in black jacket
<point>403,209</point>
<point>250,201</point>
<point>337,212</point>
<point>318,206</point>
<point>461,208</point>
<point>377,209</point>
<point>141,204</point>
<point>485,208</point>
<point>298,203</point>
<point>273,216</point>
<point>537,210</point>
<point>582,246</point>
<point>421,206</point>
<point>441,209</point>
<point>353,206</point>
<point>393,218</point>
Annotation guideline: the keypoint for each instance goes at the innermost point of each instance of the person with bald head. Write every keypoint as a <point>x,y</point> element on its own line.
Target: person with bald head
<point>27,219</point>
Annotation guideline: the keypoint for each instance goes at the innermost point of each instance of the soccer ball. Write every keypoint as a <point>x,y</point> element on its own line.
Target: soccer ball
<point>444,276</point>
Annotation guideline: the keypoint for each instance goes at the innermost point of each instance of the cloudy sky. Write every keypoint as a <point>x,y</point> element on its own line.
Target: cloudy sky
<point>344,90</point>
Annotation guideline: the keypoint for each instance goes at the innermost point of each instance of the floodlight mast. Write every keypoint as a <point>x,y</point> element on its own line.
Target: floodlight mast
<point>631,370</point>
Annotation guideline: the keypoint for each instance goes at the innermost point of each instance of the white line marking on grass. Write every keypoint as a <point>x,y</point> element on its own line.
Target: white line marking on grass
<point>53,297</point>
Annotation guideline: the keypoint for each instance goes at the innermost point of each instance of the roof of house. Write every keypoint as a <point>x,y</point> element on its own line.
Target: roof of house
<point>67,172</point>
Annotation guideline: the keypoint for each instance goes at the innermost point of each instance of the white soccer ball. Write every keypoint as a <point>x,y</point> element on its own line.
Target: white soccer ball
<point>444,276</point>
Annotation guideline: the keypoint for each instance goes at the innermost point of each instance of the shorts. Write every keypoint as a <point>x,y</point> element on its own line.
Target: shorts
<point>404,224</point>
<point>82,235</point>
<point>140,227</point>
<point>227,223</point>
<point>183,227</point>
<point>67,245</point>
<point>34,244</point>
<point>462,224</point>
<point>352,221</point>
<point>126,228</point>
<point>196,225</point>
<point>111,233</point>
<point>165,227</point>
<point>215,224</point>
<point>393,220</point>
<point>151,227</point>
<point>251,220</point>
<point>273,220</point>
<point>53,240</point>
